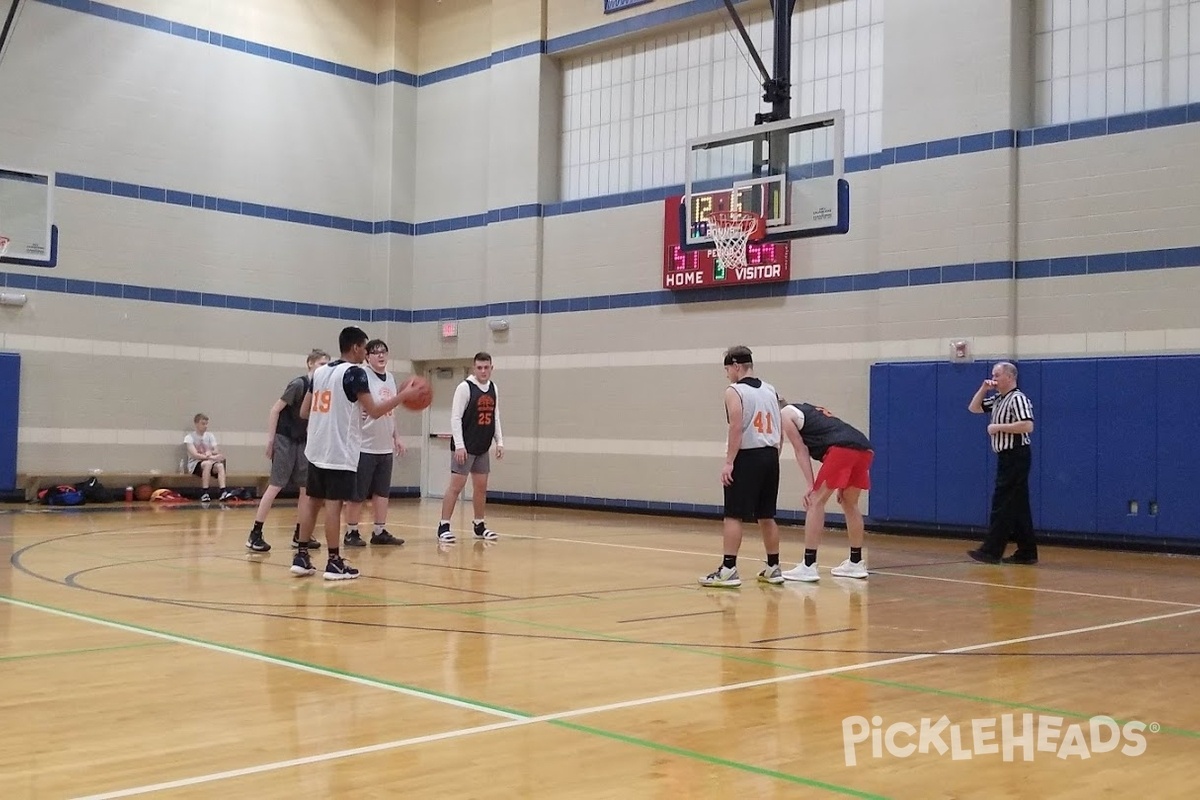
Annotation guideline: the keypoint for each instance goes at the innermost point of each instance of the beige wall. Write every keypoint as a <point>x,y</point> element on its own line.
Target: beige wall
<point>609,402</point>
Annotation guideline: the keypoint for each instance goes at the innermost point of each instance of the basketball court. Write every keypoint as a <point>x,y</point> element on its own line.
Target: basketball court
<point>577,657</point>
<point>148,653</point>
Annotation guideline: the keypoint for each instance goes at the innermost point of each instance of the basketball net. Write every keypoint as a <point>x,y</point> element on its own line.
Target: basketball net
<point>731,232</point>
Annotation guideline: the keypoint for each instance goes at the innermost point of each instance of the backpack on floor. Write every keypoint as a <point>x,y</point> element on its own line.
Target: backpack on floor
<point>95,492</point>
<point>62,495</point>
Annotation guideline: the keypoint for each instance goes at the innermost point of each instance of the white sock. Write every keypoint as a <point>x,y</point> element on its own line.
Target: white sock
<point>378,528</point>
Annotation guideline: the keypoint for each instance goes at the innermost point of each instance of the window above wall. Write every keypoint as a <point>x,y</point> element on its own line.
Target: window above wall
<point>1102,58</point>
<point>628,111</point>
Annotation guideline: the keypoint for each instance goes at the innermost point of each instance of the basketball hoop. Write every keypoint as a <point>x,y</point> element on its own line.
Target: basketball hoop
<point>3,245</point>
<point>731,231</point>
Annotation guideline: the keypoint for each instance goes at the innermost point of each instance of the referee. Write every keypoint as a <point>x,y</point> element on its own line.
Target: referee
<point>1012,422</point>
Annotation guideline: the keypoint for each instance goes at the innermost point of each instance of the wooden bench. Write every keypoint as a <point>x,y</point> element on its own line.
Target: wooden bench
<point>116,482</point>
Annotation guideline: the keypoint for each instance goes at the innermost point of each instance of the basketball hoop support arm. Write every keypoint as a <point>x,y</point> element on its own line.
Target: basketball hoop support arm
<point>777,88</point>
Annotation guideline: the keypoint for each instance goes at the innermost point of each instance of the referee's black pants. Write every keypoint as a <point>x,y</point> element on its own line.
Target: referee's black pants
<point>1012,519</point>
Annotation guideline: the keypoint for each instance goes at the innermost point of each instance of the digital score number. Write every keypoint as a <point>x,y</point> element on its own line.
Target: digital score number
<point>766,262</point>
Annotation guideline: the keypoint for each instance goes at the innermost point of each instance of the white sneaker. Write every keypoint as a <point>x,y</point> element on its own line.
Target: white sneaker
<point>771,575</point>
<point>850,569</point>
<point>723,576</point>
<point>802,573</point>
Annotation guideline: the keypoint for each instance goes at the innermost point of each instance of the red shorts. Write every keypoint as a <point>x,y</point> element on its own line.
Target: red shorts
<point>844,468</point>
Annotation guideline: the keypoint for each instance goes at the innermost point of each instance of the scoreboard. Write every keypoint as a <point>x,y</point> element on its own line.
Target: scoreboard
<point>766,262</point>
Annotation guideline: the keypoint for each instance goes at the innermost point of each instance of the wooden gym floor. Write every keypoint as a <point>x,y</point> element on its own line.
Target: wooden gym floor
<point>145,652</point>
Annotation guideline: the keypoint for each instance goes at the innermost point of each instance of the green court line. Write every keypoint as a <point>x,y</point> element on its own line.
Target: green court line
<point>480,706</point>
<point>82,651</point>
<point>721,762</point>
<point>681,648</point>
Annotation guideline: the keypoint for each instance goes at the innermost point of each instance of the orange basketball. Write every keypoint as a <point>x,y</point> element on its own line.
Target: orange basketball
<point>424,394</point>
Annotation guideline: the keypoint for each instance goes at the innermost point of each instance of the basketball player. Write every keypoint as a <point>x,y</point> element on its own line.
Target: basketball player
<point>474,424</point>
<point>379,442</point>
<point>340,394</point>
<point>286,434</point>
<point>845,454</point>
<point>751,471</point>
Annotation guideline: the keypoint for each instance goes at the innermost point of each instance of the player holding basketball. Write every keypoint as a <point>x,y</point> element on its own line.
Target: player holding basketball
<point>751,471</point>
<point>380,442</point>
<point>845,454</point>
<point>474,424</point>
<point>334,406</point>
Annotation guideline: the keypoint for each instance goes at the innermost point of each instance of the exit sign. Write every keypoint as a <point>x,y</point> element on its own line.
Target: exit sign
<point>449,329</point>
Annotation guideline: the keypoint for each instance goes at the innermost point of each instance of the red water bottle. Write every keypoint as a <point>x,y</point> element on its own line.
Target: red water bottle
<point>128,494</point>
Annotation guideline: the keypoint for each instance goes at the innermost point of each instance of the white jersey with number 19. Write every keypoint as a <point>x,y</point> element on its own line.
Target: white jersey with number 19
<point>334,424</point>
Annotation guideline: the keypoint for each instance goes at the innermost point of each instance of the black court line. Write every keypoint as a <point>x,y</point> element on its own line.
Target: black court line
<point>448,566</point>
<point>923,564</point>
<point>673,616</point>
<point>801,635</point>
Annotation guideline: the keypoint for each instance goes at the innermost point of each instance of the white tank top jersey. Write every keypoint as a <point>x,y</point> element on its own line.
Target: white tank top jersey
<point>334,422</point>
<point>377,434</point>
<point>760,415</point>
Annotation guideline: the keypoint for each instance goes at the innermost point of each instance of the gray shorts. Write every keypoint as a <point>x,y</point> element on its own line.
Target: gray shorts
<point>289,467</point>
<point>479,465</point>
<point>374,476</point>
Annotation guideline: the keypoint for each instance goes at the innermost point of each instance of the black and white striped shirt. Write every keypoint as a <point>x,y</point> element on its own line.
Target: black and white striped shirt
<point>1006,409</point>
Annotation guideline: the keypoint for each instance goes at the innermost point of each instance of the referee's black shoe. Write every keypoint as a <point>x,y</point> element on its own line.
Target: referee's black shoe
<point>982,557</point>
<point>1017,558</point>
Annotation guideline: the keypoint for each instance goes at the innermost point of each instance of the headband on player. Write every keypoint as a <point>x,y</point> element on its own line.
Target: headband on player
<point>739,358</point>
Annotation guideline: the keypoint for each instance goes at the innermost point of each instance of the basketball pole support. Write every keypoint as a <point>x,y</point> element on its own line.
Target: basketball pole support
<point>777,85</point>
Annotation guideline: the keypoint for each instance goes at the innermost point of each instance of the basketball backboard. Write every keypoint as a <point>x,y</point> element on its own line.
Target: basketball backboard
<point>790,172</point>
<point>26,217</point>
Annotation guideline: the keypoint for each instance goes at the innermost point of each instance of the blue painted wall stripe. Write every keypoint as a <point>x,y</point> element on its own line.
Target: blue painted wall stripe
<point>920,151</point>
<point>1100,263</point>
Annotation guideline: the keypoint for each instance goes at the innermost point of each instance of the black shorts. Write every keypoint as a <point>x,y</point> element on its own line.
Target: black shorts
<point>199,470</point>
<point>754,493</point>
<point>331,484</point>
<point>374,477</point>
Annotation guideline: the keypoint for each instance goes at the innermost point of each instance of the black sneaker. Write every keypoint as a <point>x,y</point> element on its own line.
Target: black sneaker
<point>302,564</point>
<point>353,539</point>
<point>1020,558</point>
<point>338,570</point>
<point>483,532</point>
<point>383,537</point>
<point>444,534</point>
<point>313,545</point>
<point>256,543</point>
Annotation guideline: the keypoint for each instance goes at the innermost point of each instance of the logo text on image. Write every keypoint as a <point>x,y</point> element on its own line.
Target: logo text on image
<point>1005,735</point>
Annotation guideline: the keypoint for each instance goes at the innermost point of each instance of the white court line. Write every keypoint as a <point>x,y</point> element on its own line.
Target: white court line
<point>1043,589</point>
<point>625,704</point>
<point>891,574</point>
<point>1037,589</point>
<point>299,762</point>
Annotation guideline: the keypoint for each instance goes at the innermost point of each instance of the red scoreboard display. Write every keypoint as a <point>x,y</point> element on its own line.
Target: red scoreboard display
<point>766,262</point>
